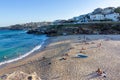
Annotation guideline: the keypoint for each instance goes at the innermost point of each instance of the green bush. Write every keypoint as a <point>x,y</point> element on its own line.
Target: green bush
<point>117,10</point>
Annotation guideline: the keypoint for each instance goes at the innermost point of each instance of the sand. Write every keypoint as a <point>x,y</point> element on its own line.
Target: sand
<point>58,61</point>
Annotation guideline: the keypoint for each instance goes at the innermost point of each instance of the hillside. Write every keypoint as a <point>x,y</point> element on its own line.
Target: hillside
<point>27,26</point>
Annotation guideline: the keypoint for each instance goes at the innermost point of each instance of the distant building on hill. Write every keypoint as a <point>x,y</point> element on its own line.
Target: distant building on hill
<point>99,14</point>
<point>97,17</point>
<point>112,16</point>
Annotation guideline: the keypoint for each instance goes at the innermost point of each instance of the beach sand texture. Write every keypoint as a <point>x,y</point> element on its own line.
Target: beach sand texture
<point>58,61</point>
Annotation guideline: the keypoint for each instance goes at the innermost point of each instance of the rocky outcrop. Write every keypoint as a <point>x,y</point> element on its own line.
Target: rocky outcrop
<point>19,75</point>
<point>101,28</point>
<point>47,31</point>
<point>34,31</point>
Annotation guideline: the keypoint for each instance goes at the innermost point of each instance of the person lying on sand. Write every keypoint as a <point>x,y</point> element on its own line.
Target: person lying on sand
<point>101,73</point>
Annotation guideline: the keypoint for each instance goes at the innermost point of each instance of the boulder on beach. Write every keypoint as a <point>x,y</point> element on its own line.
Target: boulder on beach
<point>19,75</point>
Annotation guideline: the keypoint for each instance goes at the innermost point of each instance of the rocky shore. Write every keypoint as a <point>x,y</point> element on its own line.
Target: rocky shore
<point>70,29</point>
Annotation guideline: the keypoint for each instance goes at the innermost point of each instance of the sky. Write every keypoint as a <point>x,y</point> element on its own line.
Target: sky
<point>24,11</point>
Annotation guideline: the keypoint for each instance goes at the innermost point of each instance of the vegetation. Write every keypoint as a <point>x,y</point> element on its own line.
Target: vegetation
<point>89,28</point>
<point>117,10</point>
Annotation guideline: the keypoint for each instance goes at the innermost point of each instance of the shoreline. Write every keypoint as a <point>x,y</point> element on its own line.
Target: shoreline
<point>27,55</point>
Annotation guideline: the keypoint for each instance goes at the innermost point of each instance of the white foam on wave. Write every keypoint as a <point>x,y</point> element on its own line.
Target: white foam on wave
<point>23,56</point>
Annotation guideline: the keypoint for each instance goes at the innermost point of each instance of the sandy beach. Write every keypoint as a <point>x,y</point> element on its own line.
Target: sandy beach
<point>59,59</point>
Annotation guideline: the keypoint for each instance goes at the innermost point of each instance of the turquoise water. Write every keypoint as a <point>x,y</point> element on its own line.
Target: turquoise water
<point>15,43</point>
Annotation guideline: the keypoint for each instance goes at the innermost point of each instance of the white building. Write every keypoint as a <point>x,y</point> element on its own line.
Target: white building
<point>112,16</point>
<point>97,17</point>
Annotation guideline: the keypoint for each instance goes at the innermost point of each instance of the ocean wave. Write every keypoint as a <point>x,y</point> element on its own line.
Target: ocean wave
<point>23,56</point>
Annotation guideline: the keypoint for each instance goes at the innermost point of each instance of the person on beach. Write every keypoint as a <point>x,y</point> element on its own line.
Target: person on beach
<point>101,73</point>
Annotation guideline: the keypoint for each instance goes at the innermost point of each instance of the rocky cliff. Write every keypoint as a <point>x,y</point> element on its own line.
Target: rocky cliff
<point>90,28</point>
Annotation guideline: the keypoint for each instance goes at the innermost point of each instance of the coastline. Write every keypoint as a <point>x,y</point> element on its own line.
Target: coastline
<point>28,54</point>
<point>55,67</point>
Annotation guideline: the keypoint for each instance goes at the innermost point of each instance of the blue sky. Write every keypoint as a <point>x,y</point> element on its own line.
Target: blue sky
<point>22,11</point>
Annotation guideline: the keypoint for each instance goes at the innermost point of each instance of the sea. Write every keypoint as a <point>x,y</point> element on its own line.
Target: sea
<point>17,44</point>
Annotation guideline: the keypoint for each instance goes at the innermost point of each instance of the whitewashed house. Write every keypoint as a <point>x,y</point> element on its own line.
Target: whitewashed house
<point>97,17</point>
<point>112,16</point>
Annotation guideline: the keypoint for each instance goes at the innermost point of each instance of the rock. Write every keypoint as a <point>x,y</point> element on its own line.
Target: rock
<point>19,75</point>
<point>34,31</point>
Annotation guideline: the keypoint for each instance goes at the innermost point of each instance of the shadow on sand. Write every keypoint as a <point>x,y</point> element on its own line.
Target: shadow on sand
<point>92,75</point>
